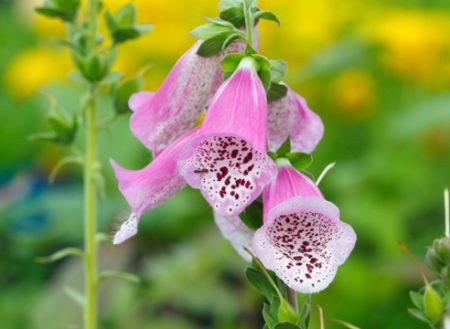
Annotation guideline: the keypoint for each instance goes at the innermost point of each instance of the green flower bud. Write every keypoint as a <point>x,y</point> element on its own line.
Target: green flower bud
<point>124,91</point>
<point>433,304</point>
<point>442,248</point>
<point>433,261</point>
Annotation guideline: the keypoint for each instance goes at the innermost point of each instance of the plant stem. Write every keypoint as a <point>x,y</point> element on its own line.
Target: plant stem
<point>249,23</point>
<point>90,220</point>
<point>292,298</point>
<point>90,213</point>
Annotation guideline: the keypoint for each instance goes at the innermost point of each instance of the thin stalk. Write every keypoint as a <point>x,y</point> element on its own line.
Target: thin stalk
<point>292,298</point>
<point>249,22</point>
<point>90,212</point>
<point>447,213</point>
<point>90,217</point>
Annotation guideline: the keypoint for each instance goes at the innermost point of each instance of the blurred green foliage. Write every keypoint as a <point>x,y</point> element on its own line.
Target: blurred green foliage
<point>387,120</point>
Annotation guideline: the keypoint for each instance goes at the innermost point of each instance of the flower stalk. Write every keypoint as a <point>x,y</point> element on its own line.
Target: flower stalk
<point>249,22</point>
<point>90,198</point>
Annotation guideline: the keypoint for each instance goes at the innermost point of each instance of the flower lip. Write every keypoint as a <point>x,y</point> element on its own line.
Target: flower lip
<point>304,242</point>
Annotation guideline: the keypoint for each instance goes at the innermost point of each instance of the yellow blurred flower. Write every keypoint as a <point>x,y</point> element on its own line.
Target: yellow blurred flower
<point>353,94</point>
<point>416,45</point>
<point>34,68</point>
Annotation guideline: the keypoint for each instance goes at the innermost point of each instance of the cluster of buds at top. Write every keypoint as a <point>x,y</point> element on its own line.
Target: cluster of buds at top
<point>252,144</point>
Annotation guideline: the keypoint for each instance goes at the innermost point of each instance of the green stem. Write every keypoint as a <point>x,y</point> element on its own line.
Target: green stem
<point>292,298</point>
<point>90,220</point>
<point>90,213</point>
<point>249,22</point>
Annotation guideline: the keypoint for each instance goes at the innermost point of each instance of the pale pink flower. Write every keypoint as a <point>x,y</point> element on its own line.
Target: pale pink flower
<point>291,117</point>
<point>228,161</point>
<point>149,187</point>
<point>302,240</point>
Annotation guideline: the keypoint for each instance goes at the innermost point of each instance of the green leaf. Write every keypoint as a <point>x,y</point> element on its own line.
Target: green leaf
<point>111,77</point>
<point>418,314</point>
<point>234,15</point>
<point>212,46</point>
<point>286,325</point>
<point>65,10</point>
<point>286,313</point>
<point>232,37</point>
<point>276,91</point>
<point>253,215</point>
<point>207,31</point>
<point>263,62</point>
<point>125,16</point>
<point>219,21</point>
<point>63,162</point>
<point>75,295</point>
<point>299,161</point>
<point>268,317</point>
<point>71,251</point>
<point>118,275</point>
<point>278,69</point>
<point>265,77</point>
<point>285,148</point>
<point>226,4</point>
<point>231,62</point>
<point>417,299</point>
<point>267,15</point>
<point>260,283</point>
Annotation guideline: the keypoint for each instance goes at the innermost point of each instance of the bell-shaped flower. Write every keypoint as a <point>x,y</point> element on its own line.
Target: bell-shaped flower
<point>151,186</point>
<point>302,239</point>
<point>159,118</point>
<point>228,161</point>
<point>291,117</point>
<point>236,232</point>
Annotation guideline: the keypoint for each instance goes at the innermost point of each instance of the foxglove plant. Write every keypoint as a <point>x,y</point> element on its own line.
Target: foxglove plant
<point>255,139</point>
<point>94,74</point>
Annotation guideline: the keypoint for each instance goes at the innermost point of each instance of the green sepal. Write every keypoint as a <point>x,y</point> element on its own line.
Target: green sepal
<point>267,15</point>
<point>276,91</point>
<point>118,275</point>
<point>231,62</point>
<point>417,299</point>
<point>62,131</point>
<point>268,317</point>
<point>418,314</point>
<point>212,46</point>
<point>111,78</point>
<point>60,254</point>
<point>285,148</point>
<point>253,215</point>
<point>258,280</point>
<point>299,161</point>
<point>65,10</point>
<point>207,31</point>
<point>286,313</point>
<point>123,92</point>
<point>278,69</point>
<point>126,15</point>
<point>234,15</point>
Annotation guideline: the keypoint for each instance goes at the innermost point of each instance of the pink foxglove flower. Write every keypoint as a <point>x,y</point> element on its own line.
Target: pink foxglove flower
<point>149,187</point>
<point>234,230</point>
<point>228,161</point>
<point>290,116</point>
<point>159,118</point>
<point>302,240</point>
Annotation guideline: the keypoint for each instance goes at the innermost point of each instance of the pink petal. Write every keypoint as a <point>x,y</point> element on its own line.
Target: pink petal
<point>287,184</point>
<point>235,231</point>
<point>140,100</point>
<point>290,116</point>
<point>228,161</point>
<point>149,187</point>
<point>304,242</point>
<point>177,105</point>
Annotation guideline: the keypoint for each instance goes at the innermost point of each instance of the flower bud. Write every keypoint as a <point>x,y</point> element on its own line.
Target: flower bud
<point>434,261</point>
<point>433,304</point>
<point>442,247</point>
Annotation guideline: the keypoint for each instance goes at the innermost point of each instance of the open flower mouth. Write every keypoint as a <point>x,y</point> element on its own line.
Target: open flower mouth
<point>304,248</point>
<point>229,172</point>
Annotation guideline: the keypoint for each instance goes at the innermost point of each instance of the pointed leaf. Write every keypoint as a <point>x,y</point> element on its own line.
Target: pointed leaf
<point>118,275</point>
<point>71,251</point>
<point>253,215</point>
<point>417,299</point>
<point>207,31</point>
<point>234,15</point>
<point>212,46</point>
<point>267,15</point>
<point>260,283</point>
<point>276,91</point>
<point>299,161</point>
<point>285,148</point>
<point>418,314</point>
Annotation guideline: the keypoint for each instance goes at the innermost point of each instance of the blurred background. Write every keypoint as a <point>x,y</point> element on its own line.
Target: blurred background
<point>378,73</point>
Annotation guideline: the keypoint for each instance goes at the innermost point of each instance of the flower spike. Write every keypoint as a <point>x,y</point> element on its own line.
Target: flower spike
<point>228,161</point>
